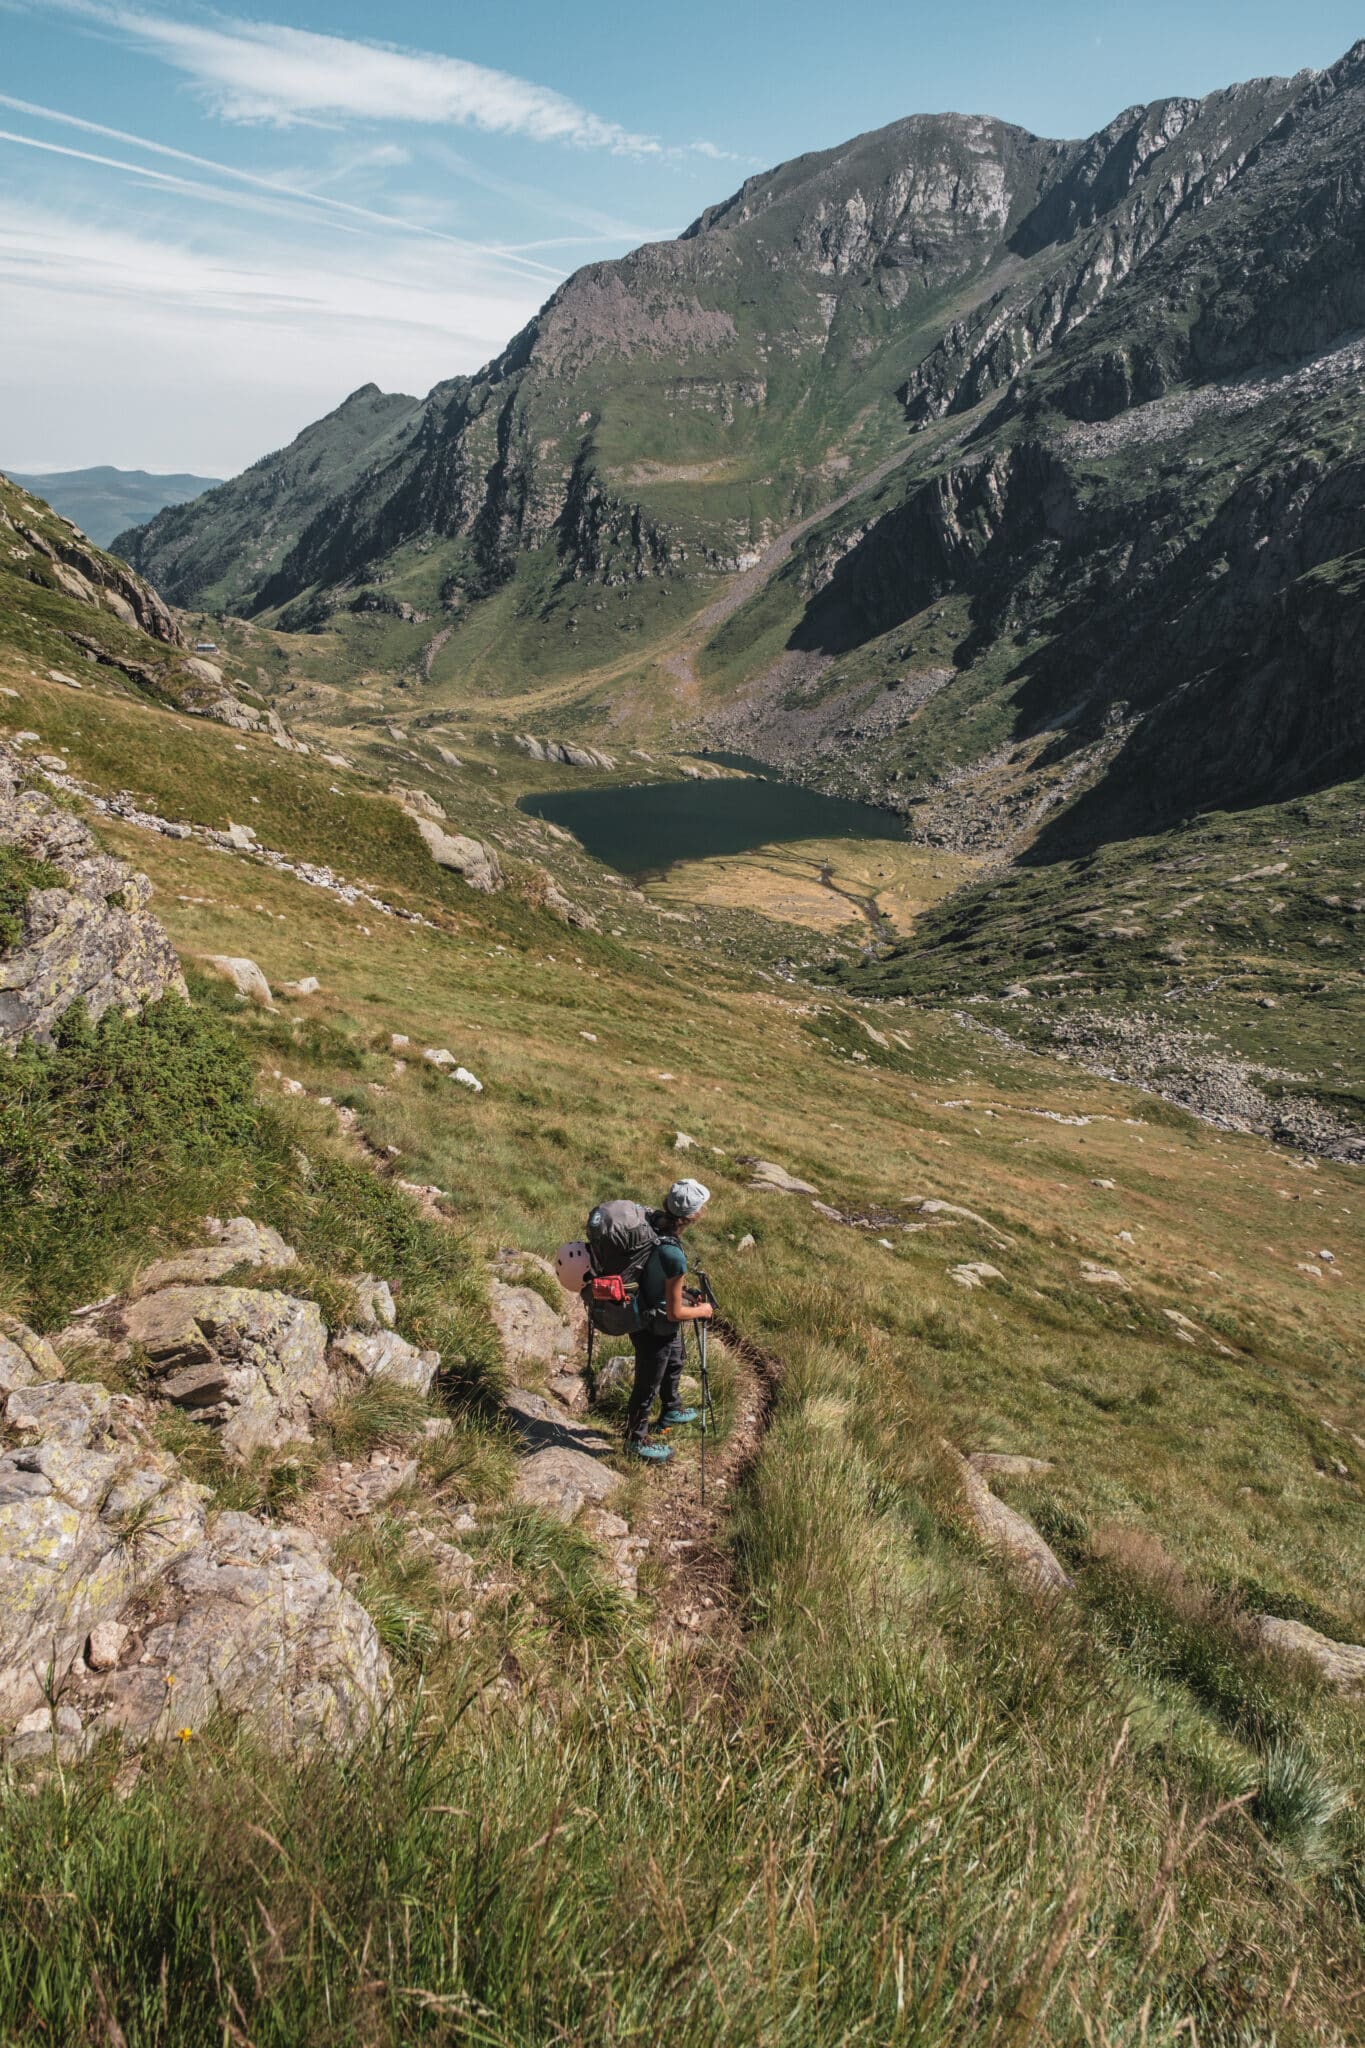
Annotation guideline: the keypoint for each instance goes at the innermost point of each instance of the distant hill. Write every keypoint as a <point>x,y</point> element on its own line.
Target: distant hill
<point>103,501</point>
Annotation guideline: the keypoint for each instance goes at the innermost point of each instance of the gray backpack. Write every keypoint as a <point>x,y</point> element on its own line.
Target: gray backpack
<point>620,1240</point>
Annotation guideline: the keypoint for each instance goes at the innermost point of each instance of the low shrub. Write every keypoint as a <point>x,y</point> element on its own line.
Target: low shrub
<point>114,1130</point>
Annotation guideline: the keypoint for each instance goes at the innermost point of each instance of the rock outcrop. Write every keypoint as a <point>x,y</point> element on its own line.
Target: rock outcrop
<point>474,862</point>
<point>83,932</point>
<point>384,1355</point>
<point>252,1621</point>
<point>560,751</point>
<point>58,555</point>
<point>251,1364</point>
<point>91,1511</point>
<point>238,1242</point>
<point>1002,1529</point>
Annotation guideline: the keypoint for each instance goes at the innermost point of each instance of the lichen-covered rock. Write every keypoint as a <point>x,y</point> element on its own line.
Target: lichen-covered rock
<point>89,937</point>
<point>90,1512</point>
<point>1341,1664</point>
<point>252,1363</point>
<point>238,1242</point>
<point>384,1355</point>
<point>25,1357</point>
<point>532,1332</point>
<point>254,1622</point>
<point>474,862</point>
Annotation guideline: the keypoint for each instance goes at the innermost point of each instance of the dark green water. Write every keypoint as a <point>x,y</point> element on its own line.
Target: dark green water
<point>645,827</point>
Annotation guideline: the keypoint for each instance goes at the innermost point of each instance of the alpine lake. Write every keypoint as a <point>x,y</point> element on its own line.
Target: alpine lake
<point>751,840</point>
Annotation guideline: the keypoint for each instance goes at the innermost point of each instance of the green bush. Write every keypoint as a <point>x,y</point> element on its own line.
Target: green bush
<point>116,1128</point>
<point>19,874</point>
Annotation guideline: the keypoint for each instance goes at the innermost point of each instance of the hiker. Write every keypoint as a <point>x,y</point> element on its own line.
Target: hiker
<point>663,1311</point>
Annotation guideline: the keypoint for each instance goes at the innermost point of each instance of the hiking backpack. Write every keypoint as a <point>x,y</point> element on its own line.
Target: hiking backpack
<point>620,1240</point>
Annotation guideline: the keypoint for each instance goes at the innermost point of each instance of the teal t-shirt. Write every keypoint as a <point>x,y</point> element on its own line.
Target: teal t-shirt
<point>668,1261</point>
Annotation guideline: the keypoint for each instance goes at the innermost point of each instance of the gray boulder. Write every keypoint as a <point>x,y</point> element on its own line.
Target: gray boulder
<point>251,1622</point>
<point>770,1178</point>
<point>89,937</point>
<point>564,1466</point>
<point>1341,1664</point>
<point>474,862</point>
<point>252,1364</point>
<point>91,1511</point>
<point>245,976</point>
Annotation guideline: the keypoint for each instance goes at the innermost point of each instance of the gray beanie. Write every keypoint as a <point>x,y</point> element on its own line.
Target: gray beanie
<point>686,1197</point>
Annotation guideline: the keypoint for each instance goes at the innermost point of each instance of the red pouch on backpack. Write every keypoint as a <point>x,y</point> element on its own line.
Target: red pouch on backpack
<point>608,1287</point>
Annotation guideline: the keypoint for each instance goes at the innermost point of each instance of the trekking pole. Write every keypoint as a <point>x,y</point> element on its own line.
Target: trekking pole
<point>707,1413</point>
<point>705,1404</point>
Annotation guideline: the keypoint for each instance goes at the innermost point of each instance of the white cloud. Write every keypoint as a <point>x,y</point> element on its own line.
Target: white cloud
<point>267,71</point>
<point>151,354</point>
<point>297,195</point>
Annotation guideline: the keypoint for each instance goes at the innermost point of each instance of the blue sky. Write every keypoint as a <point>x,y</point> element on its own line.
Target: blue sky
<point>215,224</point>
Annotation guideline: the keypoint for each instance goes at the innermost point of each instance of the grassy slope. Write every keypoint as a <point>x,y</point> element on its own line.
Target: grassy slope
<point>902,1805</point>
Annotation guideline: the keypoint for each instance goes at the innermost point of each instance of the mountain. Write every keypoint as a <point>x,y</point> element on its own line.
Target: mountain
<point>219,551</point>
<point>1016,485</point>
<point>104,501</point>
<point>667,415</point>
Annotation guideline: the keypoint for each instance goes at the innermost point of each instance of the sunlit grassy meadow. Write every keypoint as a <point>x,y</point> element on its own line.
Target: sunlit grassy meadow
<point>904,1797</point>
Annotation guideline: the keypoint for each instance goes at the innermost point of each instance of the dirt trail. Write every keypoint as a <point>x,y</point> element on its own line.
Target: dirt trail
<point>693,1591</point>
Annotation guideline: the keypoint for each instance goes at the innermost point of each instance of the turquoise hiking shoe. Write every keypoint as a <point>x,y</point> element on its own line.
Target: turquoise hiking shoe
<point>673,1418</point>
<point>656,1453</point>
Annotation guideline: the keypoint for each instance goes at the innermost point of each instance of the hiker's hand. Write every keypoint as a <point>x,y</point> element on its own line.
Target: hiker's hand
<point>703,1312</point>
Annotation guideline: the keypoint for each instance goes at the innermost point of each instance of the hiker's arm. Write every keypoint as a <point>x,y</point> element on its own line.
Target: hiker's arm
<point>680,1311</point>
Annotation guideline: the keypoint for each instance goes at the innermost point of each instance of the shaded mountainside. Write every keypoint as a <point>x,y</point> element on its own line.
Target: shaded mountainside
<point>105,501</point>
<point>229,542</point>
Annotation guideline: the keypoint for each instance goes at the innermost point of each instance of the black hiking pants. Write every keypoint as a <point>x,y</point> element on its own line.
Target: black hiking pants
<point>658,1369</point>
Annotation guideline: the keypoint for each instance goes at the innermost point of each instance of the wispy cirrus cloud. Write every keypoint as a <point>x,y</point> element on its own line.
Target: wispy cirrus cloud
<point>296,194</point>
<point>270,72</point>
